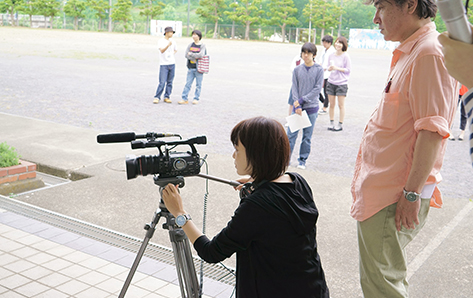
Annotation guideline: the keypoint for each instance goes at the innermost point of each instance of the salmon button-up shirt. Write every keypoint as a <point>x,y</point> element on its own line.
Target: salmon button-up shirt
<point>419,95</point>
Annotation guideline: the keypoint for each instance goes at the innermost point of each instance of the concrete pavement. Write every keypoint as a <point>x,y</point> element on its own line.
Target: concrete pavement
<point>440,258</point>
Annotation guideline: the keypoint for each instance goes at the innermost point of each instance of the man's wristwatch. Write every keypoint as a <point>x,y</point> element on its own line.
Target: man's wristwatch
<point>181,220</point>
<point>411,196</point>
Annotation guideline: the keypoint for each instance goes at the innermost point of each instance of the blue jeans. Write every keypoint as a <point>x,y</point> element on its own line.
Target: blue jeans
<point>192,73</point>
<point>166,77</point>
<point>305,147</point>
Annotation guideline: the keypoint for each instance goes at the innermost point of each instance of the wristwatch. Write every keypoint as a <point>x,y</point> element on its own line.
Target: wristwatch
<point>411,196</point>
<point>181,220</point>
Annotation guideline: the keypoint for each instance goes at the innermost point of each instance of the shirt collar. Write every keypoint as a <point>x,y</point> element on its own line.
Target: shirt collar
<point>410,42</point>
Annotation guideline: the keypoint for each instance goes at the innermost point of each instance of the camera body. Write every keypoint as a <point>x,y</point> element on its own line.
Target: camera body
<point>167,164</point>
<point>171,165</point>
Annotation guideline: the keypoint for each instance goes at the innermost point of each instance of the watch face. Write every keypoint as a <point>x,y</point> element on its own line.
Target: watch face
<point>180,220</point>
<point>411,197</point>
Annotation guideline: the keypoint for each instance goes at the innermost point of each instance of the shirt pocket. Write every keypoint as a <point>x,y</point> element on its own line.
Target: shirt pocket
<point>386,115</point>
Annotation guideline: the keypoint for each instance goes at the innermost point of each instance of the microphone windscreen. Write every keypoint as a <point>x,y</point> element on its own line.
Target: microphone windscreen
<point>116,137</point>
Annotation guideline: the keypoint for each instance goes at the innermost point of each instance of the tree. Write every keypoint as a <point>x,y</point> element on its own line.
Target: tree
<point>121,12</point>
<point>151,10</point>
<point>358,15</point>
<point>100,8</point>
<point>30,8</point>
<point>212,10</point>
<point>75,8</point>
<point>12,6</point>
<point>282,13</point>
<point>247,12</point>
<point>323,14</point>
<point>48,8</point>
<point>169,12</point>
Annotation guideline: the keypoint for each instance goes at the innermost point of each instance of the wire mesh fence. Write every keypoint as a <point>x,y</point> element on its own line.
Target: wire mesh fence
<point>224,31</point>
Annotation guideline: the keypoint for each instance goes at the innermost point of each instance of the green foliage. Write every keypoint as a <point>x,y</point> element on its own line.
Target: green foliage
<point>169,13</point>
<point>281,13</point>
<point>8,156</point>
<point>75,8</point>
<point>151,9</point>
<point>99,9</point>
<point>11,6</point>
<point>246,12</point>
<point>29,7</point>
<point>323,14</point>
<point>122,12</point>
<point>357,15</point>
<point>211,10</point>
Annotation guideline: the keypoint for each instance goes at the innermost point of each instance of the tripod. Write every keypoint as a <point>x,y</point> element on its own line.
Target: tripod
<point>187,278</point>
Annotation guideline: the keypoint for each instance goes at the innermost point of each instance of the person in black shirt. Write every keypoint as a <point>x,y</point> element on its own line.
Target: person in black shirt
<point>273,230</point>
<point>194,51</point>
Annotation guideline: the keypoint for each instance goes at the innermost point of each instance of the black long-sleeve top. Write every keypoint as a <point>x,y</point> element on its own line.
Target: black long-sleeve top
<point>273,232</point>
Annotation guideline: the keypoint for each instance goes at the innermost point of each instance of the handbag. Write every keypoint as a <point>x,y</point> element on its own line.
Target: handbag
<point>203,64</point>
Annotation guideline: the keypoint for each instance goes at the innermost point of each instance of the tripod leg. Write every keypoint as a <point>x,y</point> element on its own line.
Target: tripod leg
<point>149,234</point>
<point>184,264</point>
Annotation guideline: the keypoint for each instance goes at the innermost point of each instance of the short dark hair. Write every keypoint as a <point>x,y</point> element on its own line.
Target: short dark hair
<point>266,145</point>
<point>343,41</point>
<point>309,47</point>
<point>198,33</point>
<point>328,39</point>
<point>424,10</point>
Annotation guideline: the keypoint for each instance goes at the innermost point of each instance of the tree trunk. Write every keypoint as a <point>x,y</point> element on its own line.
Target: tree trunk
<point>100,24</point>
<point>75,23</point>
<point>247,30</point>
<point>283,33</point>
<point>12,17</point>
<point>214,36</point>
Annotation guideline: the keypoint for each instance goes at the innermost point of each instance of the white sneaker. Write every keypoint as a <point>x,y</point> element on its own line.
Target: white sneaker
<point>302,167</point>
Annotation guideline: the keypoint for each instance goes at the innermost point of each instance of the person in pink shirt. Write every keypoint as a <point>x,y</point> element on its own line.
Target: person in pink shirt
<point>400,156</point>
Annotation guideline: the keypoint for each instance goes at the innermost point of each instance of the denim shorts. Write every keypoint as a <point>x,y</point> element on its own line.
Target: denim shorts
<point>336,90</point>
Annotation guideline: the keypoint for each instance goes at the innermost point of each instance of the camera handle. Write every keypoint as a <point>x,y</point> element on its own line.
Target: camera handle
<point>185,269</point>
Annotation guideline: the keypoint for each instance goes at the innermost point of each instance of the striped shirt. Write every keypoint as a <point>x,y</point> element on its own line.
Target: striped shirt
<point>307,84</point>
<point>467,98</point>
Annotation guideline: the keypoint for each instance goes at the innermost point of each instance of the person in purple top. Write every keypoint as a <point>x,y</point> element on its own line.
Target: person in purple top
<point>307,82</point>
<point>340,67</point>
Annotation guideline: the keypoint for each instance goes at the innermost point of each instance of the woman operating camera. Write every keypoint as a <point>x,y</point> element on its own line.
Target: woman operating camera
<point>273,230</point>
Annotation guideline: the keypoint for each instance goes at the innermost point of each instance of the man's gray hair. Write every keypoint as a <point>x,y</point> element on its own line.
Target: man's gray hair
<point>425,9</point>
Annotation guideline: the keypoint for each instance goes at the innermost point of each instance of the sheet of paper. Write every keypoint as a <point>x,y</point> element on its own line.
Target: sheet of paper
<point>297,122</point>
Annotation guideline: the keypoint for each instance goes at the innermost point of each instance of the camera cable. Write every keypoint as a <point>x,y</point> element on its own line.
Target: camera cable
<point>204,216</point>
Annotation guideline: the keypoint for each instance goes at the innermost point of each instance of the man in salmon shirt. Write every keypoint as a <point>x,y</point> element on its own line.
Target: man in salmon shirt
<point>402,148</point>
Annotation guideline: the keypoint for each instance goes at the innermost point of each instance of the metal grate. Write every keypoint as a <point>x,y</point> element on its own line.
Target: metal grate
<point>163,254</point>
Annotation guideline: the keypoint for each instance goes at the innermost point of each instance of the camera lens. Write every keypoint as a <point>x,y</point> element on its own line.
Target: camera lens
<point>179,164</point>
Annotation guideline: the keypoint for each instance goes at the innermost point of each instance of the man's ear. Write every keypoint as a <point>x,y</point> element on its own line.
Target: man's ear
<point>412,5</point>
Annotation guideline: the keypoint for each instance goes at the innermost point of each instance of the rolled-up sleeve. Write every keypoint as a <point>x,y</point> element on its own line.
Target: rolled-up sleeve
<point>430,98</point>
<point>434,124</point>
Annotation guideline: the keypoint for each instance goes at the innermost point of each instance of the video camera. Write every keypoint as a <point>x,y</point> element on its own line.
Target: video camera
<point>167,164</point>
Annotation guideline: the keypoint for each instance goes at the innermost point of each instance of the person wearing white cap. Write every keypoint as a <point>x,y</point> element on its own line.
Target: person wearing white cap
<point>167,65</point>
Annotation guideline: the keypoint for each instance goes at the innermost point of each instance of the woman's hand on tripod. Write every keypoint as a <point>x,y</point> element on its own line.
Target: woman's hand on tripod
<point>174,203</point>
<point>173,200</point>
